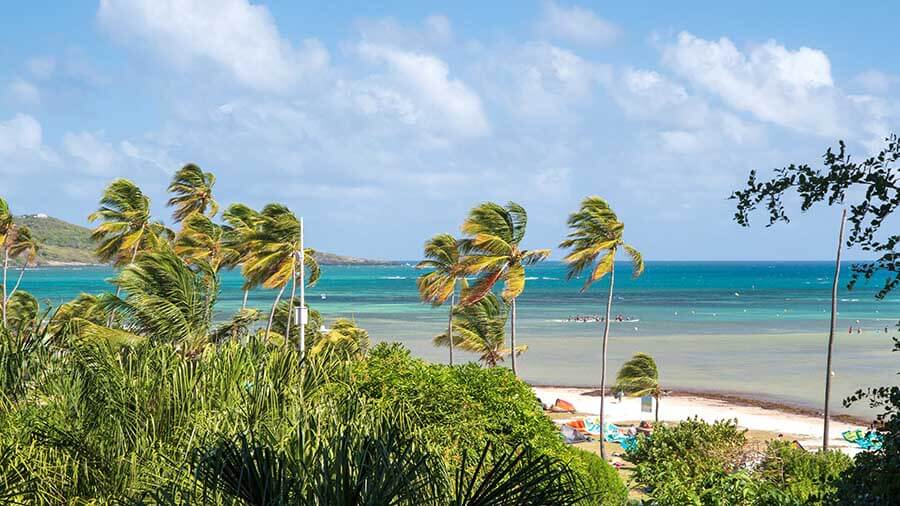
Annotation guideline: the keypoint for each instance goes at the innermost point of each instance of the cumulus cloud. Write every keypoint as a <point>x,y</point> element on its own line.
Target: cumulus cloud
<point>791,88</point>
<point>22,92</point>
<point>444,100</point>
<point>540,81</point>
<point>96,156</point>
<point>576,24</point>
<point>21,133</point>
<point>237,36</point>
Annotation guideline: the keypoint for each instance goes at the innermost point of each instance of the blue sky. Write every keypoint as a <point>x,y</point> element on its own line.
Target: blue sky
<point>384,122</point>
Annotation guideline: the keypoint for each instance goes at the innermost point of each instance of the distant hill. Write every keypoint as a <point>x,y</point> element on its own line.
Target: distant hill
<point>64,243</point>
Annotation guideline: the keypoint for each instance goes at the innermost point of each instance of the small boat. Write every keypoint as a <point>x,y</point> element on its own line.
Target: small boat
<point>324,296</point>
<point>561,406</point>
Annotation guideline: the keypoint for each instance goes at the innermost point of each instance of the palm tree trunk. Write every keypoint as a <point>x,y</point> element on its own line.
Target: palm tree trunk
<point>450,328</point>
<point>612,279</point>
<point>834,294</point>
<point>5,267</point>
<point>287,332</point>
<point>512,338</point>
<point>272,313</point>
<point>656,415</point>
<point>244,303</point>
<point>18,281</point>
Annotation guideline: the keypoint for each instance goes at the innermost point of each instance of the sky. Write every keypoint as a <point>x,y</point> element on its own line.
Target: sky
<point>383,123</point>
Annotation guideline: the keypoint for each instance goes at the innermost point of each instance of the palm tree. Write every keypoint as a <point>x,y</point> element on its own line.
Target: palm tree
<point>595,230</point>
<point>126,227</point>
<point>241,223</point>
<point>481,328</point>
<point>493,251</point>
<point>166,301</point>
<point>24,245</point>
<point>442,256</point>
<point>6,227</point>
<point>193,192</point>
<point>203,242</point>
<point>639,377</point>
<point>274,248</point>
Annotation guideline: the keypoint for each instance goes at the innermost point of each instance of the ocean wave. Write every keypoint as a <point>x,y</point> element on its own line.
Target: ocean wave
<point>392,277</point>
<point>548,278</point>
<point>531,278</point>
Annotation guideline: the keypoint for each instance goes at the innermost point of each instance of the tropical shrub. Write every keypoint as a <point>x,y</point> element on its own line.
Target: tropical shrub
<point>470,406</point>
<point>801,476</point>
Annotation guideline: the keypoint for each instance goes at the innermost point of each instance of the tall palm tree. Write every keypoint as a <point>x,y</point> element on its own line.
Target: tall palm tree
<point>442,256</point>
<point>25,247</point>
<point>126,226</point>
<point>203,242</point>
<point>639,377</point>
<point>241,223</point>
<point>595,237</point>
<point>493,251</point>
<point>7,230</point>
<point>481,328</point>
<point>274,248</point>
<point>193,192</point>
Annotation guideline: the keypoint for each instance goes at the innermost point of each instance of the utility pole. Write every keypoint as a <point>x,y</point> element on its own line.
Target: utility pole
<point>302,315</point>
<point>834,295</point>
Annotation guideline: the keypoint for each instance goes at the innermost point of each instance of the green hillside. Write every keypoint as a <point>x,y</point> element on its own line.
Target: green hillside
<point>61,242</point>
<point>64,243</point>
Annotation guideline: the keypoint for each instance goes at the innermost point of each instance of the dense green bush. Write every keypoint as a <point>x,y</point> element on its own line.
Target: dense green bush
<point>710,464</point>
<point>468,406</point>
<point>808,478</point>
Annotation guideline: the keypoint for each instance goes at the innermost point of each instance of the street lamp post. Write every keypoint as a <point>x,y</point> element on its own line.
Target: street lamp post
<point>302,314</point>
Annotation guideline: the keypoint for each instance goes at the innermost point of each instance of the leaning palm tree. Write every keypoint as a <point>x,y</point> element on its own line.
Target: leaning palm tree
<point>639,377</point>
<point>594,239</point>
<point>193,192</point>
<point>25,247</point>
<point>166,300</point>
<point>493,252</point>
<point>126,227</point>
<point>204,243</point>
<point>241,222</point>
<point>480,328</point>
<point>442,256</point>
<point>274,250</point>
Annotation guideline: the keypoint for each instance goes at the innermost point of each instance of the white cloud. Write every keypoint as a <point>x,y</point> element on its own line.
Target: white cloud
<point>540,81</point>
<point>874,81</point>
<point>576,24</point>
<point>22,92</point>
<point>444,100</point>
<point>21,133</point>
<point>235,35</point>
<point>96,155</point>
<point>794,89</point>
<point>435,31</point>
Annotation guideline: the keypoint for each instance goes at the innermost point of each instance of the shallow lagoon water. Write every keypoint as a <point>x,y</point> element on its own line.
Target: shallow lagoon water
<point>752,328</point>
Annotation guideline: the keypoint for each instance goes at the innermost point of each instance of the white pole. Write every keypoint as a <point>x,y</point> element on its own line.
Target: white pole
<point>303,313</point>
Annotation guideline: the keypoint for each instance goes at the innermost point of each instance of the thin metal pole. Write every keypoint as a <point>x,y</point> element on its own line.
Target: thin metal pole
<point>302,293</point>
<point>834,294</point>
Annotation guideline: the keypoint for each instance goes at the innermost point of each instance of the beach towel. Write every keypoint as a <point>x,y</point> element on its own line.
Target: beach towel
<point>863,439</point>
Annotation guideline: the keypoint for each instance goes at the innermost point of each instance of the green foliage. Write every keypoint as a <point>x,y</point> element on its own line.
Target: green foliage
<point>480,328</point>
<point>469,406</point>
<point>681,464</point>
<point>875,479</point>
<point>803,477</point>
<point>711,464</point>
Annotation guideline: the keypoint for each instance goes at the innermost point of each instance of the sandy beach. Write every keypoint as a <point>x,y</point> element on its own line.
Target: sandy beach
<point>805,428</point>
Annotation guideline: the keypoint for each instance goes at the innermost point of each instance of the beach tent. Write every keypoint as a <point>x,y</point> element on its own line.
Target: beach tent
<point>561,406</point>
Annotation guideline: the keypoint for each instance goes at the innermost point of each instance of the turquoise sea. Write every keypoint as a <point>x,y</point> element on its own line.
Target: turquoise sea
<point>753,328</point>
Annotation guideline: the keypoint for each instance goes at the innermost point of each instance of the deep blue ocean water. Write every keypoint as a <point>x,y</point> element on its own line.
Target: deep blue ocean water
<point>754,328</point>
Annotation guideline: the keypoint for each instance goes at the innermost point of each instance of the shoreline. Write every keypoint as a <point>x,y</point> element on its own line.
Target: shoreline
<point>730,398</point>
<point>804,426</point>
